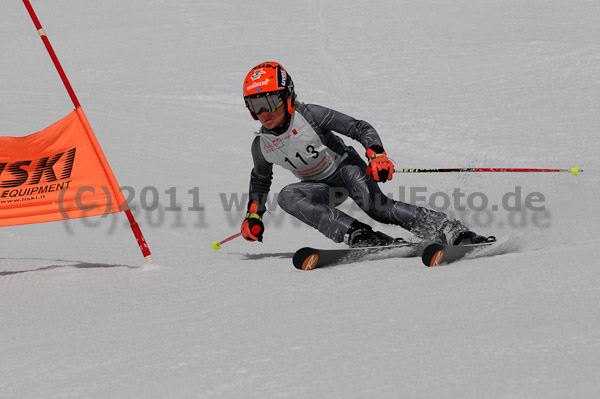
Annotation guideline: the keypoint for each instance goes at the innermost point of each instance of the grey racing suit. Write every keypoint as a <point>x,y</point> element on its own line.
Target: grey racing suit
<point>330,172</point>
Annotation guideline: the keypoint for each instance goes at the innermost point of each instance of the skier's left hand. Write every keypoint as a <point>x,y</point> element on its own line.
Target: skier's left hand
<point>380,166</point>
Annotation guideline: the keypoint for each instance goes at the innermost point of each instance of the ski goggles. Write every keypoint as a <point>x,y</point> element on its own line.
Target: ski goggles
<point>268,102</point>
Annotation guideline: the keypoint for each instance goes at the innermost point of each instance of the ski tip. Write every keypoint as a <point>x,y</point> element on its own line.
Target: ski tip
<point>306,259</point>
<point>310,262</point>
<point>437,258</point>
<point>575,170</point>
<point>433,255</point>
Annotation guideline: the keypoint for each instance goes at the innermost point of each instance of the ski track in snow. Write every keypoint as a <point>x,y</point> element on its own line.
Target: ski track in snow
<point>508,84</point>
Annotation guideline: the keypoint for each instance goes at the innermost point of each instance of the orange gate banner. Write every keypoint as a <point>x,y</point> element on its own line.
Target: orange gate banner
<point>58,173</point>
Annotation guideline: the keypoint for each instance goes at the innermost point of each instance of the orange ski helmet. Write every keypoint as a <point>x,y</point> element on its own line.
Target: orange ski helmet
<point>269,77</point>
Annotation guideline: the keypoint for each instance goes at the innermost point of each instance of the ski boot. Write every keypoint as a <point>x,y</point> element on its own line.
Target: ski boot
<point>362,235</point>
<point>469,237</point>
<point>455,233</point>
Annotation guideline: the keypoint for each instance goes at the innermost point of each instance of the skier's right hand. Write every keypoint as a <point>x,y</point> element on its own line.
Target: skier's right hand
<point>253,227</point>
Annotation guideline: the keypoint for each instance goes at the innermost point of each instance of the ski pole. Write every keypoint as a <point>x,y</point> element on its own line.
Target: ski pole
<point>574,170</point>
<point>217,244</point>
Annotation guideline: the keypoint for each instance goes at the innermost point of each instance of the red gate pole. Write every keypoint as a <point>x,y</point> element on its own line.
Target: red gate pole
<point>59,68</point>
<point>134,226</point>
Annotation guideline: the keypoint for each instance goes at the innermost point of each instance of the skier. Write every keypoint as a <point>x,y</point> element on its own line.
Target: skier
<point>299,137</point>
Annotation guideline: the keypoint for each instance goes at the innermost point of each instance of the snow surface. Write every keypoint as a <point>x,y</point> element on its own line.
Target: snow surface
<point>447,84</point>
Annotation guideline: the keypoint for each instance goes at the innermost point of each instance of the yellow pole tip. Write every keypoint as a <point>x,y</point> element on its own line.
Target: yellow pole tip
<point>216,245</point>
<point>575,170</point>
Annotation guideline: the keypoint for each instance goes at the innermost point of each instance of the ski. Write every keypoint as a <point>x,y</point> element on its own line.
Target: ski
<point>438,254</point>
<point>308,258</point>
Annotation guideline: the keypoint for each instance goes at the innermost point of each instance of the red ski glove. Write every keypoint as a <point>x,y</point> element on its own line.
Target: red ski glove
<point>380,166</point>
<point>253,227</point>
